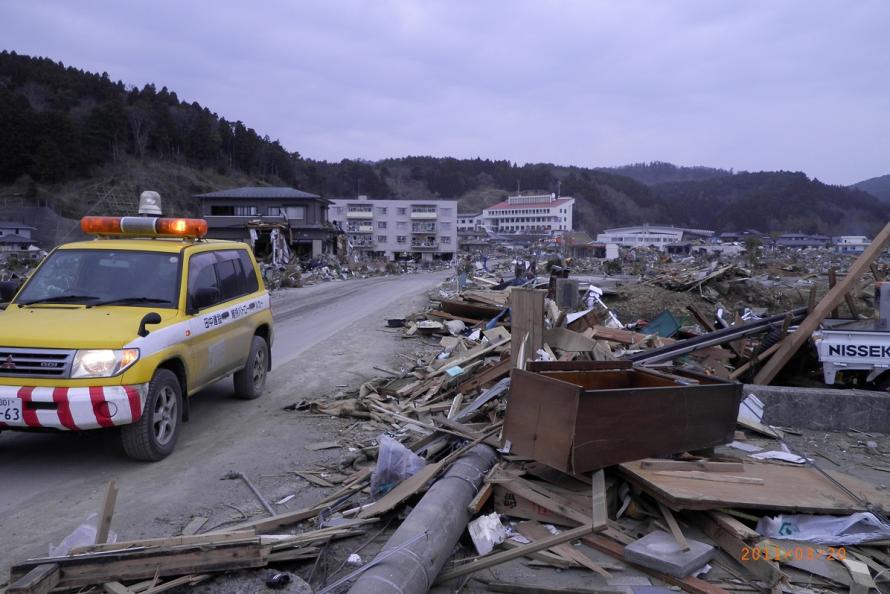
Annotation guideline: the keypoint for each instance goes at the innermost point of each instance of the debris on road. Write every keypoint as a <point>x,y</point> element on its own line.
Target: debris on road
<point>560,431</point>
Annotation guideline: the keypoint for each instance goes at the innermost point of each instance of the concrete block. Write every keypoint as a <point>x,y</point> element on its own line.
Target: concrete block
<point>823,409</point>
<point>659,551</point>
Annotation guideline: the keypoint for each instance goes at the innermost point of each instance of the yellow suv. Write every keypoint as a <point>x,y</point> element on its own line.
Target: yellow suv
<point>120,330</point>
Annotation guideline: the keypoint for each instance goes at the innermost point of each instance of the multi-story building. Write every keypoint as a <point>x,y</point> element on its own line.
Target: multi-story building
<point>850,244</point>
<point>469,221</point>
<point>232,214</point>
<point>802,240</point>
<point>537,213</point>
<point>657,236</point>
<point>424,229</point>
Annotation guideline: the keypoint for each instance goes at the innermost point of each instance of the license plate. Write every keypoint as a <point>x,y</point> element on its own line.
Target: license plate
<point>10,410</point>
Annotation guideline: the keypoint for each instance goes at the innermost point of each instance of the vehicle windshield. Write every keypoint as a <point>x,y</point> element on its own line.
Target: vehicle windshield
<point>105,277</point>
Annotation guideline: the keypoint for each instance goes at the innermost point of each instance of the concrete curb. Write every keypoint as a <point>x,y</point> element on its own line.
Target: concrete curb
<point>823,409</point>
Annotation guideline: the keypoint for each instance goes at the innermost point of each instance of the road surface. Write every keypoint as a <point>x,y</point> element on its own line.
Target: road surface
<point>326,335</point>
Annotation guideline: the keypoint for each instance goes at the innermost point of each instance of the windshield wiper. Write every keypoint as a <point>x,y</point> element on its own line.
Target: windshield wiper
<point>125,300</point>
<point>57,299</point>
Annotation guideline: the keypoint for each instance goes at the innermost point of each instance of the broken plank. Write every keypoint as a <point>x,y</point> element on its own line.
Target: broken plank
<point>106,513</point>
<point>703,465</point>
<point>480,563</point>
<point>315,480</point>
<point>792,343</point>
<point>705,476</point>
<point>480,499</point>
<point>323,445</point>
<point>39,580</point>
<point>402,491</point>
<point>723,530</point>
<point>535,532</point>
<point>99,568</point>
<point>115,588</point>
<point>513,588</point>
<point>674,526</point>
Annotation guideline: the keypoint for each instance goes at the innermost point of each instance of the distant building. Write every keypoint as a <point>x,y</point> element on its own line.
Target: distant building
<point>741,236</point>
<point>543,214</point>
<point>231,214</point>
<point>417,229</point>
<point>657,236</point>
<point>467,221</point>
<point>850,244</point>
<point>802,241</point>
<point>15,236</point>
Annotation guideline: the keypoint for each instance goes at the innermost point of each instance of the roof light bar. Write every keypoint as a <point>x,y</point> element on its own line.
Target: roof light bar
<point>144,226</point>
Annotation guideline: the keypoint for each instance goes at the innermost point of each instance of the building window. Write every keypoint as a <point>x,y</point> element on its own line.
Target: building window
<point>291,212</point>
<point>245,211</point>
<point>401,239</point>
<point>381,224</point>
<point>222,211</point>
<point>402,211</point>
<point>445,239</point>
<point>381,210</point>
<point>381,239</point>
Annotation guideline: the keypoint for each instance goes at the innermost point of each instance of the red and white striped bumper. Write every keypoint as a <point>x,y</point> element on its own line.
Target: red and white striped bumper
<point>92,407</point>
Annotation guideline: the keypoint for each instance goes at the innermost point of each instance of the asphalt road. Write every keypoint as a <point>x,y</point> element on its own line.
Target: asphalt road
<point>326,335</point>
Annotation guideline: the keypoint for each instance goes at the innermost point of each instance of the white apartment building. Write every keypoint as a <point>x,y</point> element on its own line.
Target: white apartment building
<point>850,244</point>
<point>469,221</point>
<point>398,228</point>
<point>651,235</point>
<point>541,213</point>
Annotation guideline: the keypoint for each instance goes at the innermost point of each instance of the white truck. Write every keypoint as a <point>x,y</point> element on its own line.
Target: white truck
<point>854,346</point>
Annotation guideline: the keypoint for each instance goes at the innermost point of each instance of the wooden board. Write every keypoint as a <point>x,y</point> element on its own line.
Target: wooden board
<point>527,317</point>
<point>792,342</point>
<point>39,580</point>
<point>784,488</point>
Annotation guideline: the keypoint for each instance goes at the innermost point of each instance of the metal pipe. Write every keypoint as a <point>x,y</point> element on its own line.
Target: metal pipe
<point>439,519</point>
<point>672,351</point>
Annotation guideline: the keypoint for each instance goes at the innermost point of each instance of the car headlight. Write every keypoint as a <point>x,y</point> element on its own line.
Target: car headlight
<point>102,362</point>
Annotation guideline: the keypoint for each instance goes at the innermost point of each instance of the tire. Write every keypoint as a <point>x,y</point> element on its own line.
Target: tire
<point>154,435</point>
<point>251,381</point>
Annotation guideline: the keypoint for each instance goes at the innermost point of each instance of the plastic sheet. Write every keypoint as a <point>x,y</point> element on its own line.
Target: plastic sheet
<point>395,463</point>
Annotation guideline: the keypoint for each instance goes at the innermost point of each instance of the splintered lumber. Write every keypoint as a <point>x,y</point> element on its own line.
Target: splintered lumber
<point>402,491</point>
<point>703,465</point>
<point>107,512</point>
<point>116,588</point>
<point>550,500</point>
<point>471,356</point>
<point>728,533</point>
<point>527,318</point>
<point>688,584</point>
<point>512,588</point>
<point>480,563</point>
<point>535,532</point>
<point>785,488</point>
<point>705,476</point>
<point>741,369</point>
<point>39,580</point>
<point>490,374</point>
<point>674,526</point>
<point>99,568</point>
<point>792,343</point>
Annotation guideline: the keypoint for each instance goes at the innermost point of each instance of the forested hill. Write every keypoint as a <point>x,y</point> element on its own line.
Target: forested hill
<point>878,187</point>
<point>68,136</point>
<point>659,172</point>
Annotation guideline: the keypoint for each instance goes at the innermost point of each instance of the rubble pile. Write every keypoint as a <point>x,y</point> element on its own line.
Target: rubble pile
<point>533,416</point>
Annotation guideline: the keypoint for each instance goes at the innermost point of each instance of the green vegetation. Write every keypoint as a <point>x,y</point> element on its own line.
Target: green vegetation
<point>878,187</point>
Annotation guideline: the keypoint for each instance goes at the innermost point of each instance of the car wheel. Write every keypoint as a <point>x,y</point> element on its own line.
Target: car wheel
<point>251,381</point>
<point>154,435</point>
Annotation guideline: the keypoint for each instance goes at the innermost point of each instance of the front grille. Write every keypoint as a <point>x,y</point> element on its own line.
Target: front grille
<point>35,362</point>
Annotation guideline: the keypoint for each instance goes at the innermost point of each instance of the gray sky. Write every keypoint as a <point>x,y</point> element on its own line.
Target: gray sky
<point>791,84</point>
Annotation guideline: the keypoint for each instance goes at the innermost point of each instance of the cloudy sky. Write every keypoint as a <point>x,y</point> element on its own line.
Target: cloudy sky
<point>752,85</point>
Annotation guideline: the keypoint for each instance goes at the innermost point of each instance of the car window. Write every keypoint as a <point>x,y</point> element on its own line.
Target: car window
<point>251,284</point>
<point>231,278</point>
<point>202,274</point>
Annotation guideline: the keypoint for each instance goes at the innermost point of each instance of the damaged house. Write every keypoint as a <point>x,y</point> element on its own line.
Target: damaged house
<point>251,213</point>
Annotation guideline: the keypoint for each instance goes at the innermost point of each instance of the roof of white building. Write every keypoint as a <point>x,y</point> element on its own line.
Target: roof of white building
<point>658,229</point>
<point>548,204</point>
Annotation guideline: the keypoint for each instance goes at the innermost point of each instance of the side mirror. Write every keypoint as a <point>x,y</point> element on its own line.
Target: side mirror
<point>205,297</point>
<point>8,289</point>
<point>149,318</point>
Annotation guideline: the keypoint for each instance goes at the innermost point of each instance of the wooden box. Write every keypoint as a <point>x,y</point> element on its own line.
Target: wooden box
<point>579,416</point>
